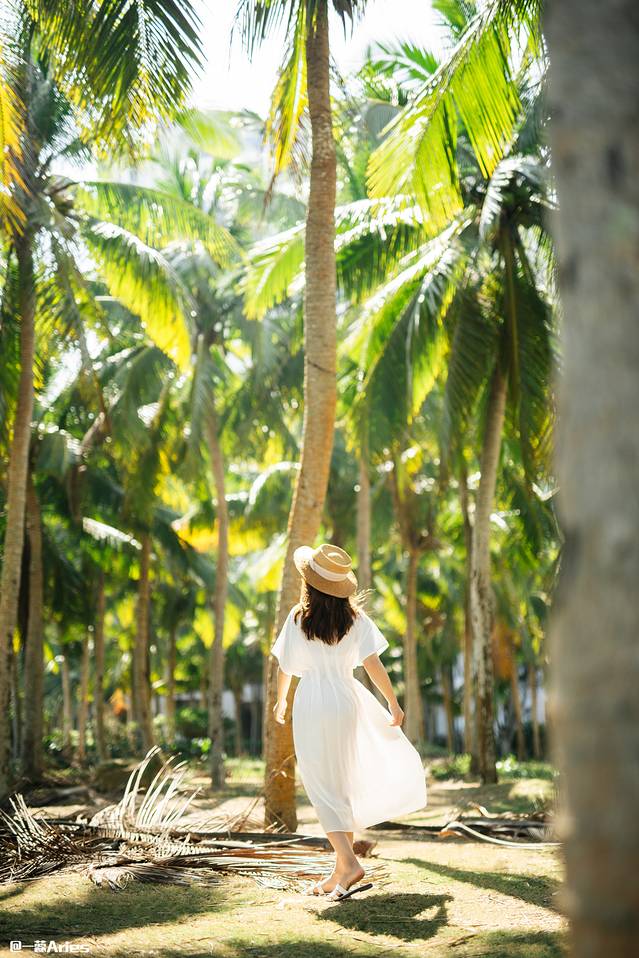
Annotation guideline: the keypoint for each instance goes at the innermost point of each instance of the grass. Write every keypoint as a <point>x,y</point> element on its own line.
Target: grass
<point>443,898</point>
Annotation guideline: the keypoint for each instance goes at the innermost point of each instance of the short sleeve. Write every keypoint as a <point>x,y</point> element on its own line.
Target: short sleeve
<point>286,647</point>
<point>370,639</point>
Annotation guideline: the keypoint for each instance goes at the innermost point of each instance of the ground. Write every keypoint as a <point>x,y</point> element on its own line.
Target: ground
<point>446,897</point>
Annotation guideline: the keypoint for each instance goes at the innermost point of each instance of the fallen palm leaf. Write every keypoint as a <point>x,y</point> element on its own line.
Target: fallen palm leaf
<point>147,837</point>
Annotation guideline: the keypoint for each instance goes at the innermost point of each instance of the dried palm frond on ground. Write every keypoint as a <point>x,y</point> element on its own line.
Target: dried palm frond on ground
<point>146,837</point>
<point>534,830</point>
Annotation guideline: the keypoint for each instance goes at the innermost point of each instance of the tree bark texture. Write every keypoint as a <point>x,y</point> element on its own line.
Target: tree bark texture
<point>594,703</point>
<point>319,399</point>
<point>16,497</point>
<point>481,596</point>
<point>32,728</point>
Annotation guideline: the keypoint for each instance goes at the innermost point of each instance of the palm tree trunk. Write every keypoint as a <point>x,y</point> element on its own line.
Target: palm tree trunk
<point>364,525</point>
<point>16,496</point>
<point>469,678</point>
<point>67,708</point>
<point>141,672</point>
<point>447,693</point>
<point>414,724</point>
<point>171,660</point>
<point>534,707</point>
<point>319,399</point>
<point>595,704</point>
<point>32,729</point>
<point>481,599</point>
<point>239,747</point>
<point>516,701</point>
<point>216,661</point>
<point>363,519</point>
<point>98,688</point>
<point>83,704</point>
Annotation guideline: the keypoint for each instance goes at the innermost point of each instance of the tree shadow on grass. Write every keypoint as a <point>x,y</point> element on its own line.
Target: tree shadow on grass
<point>511,944</point>
<point>90,912</point>
<point>391,914</point>
<point>534,889</point>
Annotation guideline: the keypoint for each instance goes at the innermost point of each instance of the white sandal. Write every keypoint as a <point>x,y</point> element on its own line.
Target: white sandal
<point>339,893</point>
<point>317,889</point>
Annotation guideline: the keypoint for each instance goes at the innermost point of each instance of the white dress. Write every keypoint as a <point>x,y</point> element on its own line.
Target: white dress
<point>357,770</point>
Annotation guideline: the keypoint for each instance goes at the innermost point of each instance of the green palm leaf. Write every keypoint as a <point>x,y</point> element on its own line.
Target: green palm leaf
<point>143,280</point>
<point>474,84</point>
<point>157,217</point>
<point>125,62</point>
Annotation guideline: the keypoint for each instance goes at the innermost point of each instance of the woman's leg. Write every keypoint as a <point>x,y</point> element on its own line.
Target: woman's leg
<point>339,841</point>
<point>348,869</point>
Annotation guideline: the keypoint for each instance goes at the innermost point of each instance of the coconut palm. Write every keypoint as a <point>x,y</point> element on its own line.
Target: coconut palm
<point>97,52</point>
<point>304,83</point>
<point>475,84</point>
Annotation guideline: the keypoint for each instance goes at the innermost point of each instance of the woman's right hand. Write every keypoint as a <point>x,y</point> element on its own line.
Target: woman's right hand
<point>280,711</point>
<point>397,714</point>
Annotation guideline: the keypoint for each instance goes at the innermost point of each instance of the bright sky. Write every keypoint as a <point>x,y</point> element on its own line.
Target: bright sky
<point>230,82</point>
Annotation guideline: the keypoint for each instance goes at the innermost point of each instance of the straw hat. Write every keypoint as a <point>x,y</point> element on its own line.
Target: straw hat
<point>327,568</point>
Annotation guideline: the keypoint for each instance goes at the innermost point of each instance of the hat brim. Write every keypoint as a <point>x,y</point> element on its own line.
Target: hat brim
<point>341,589</point>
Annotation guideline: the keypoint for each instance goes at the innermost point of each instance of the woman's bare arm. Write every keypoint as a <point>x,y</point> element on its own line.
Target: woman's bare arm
<point>283,684</point>
<point>379,677</point>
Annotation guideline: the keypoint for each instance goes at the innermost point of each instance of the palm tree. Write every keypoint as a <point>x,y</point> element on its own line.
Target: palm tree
<point>95,55</point>
<point>595,707</point>
<point>304,80</point>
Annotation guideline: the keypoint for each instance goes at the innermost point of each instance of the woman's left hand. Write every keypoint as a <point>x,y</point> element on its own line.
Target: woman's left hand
<point>280,711</point>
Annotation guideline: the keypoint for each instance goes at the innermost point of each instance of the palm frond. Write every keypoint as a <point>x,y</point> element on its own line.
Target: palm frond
<point>273,265</point>
<point>471,356</point>
<point>143,280</point>
<point>157,217</point>
<point>12,112</point>
<point>474,84</point>
<point>289,103</point>
<point>126,63</point>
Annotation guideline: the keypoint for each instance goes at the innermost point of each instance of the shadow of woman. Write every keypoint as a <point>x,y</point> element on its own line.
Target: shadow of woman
<point>404,916</point>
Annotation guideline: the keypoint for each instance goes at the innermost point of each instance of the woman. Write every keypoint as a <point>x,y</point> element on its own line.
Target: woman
<point>356,765</point>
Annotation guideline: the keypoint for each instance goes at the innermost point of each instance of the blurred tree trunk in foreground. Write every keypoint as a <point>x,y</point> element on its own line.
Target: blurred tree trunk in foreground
<point>594,91</point>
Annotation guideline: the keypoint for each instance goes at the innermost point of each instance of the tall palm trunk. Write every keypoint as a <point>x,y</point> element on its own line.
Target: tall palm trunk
<point>32,729</point>
<point>481,598</point>
<point>594,700</point>
<point>171,660</point>
<point>67,707</point>
<point>469,676</point>
<point>319,397</point>
<point>363,521</point>
<point>83,703</point>
<point>239,742</point>
<point>16,495</point>
<point>414,723</point>
<point>364,525</point>
<point>98,677</point>
<point>515,696</point>
<point>447,694</point>
<point>534,708</point>
<point>141,671</point>
<point>216,661</point>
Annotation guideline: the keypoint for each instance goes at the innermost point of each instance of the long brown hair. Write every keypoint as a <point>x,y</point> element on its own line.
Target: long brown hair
<point>323,616</point>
